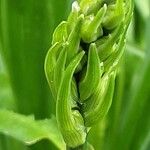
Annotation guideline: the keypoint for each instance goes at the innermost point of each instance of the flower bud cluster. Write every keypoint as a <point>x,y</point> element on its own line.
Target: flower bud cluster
<point>82,61</point>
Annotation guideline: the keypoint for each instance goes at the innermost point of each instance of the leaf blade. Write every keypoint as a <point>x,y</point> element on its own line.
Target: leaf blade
<point>29,131</point>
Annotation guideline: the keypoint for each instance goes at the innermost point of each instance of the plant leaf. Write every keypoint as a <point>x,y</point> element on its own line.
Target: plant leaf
<point>139,98</point>
<point>28,130</point>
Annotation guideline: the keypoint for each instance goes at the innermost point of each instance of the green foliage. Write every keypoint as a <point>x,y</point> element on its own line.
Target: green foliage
<point>115,117</point>
<point>29,131</point>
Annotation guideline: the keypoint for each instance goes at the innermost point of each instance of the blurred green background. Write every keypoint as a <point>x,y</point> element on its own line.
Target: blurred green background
<point>26,28</point>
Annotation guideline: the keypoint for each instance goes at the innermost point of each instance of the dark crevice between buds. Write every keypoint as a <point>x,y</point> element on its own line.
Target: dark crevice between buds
<point>108,2</point>
<point>85,46</point>
<point>76,108</point>
<point>106,32</point>
<point>77,78</point>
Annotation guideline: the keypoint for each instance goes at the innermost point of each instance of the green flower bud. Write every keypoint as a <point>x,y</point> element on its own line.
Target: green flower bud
<point>90,6</point>
<point>113,60</point>
<point>99,103</point>
<point>50,63</point>
<point>60,68</point>
<point>73,16</point>
<point>60,33</point>
<point>114,15</point>
<point>91,28</point>
<point>106,44</point>
<point>74,39</point>
<point>70,121</point>
<point>92,76</point>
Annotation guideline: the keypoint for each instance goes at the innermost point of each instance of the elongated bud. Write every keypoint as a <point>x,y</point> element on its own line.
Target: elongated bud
<point>91,28</point>
<point>60,68</point>
<point>74,39</point>
<point>90,6</point>
<point>114,15</point>
<point>50,63</point>
<point>113,60</point>
<point>73,16</point>
<point>70,121</point>
<point>60,33</point>
<point>107,47</point>
<point>92,76</point>
<point>96,110</point>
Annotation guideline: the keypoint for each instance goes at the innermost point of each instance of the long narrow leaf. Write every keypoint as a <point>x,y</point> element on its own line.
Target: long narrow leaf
<point>139,94</point>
